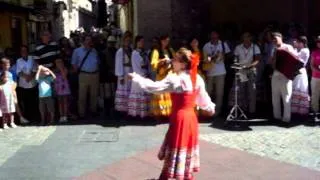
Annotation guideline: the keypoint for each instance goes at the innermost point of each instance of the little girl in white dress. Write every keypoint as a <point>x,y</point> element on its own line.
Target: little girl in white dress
<point>7,100</point>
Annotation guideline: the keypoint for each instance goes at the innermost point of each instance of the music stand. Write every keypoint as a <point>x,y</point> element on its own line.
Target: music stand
<point>236,113</point>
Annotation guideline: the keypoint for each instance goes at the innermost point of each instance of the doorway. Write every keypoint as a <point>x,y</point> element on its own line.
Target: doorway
<point>16,33</point>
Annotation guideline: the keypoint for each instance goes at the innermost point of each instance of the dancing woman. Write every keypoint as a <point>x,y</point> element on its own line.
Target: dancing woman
<point>180,149</point>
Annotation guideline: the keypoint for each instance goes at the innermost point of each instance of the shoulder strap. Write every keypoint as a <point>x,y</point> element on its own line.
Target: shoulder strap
<point>253,51</point>
<point>84,60</point>
<point>223,47</point>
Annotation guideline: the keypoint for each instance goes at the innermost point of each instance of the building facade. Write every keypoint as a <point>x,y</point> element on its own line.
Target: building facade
<point>183,18</point>
<point>71,15</point>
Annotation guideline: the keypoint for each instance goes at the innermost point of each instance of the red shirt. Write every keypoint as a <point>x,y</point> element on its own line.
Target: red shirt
<point>316,63</point>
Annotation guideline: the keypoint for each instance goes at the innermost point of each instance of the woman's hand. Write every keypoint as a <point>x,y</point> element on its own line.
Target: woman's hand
<point>131,75</point>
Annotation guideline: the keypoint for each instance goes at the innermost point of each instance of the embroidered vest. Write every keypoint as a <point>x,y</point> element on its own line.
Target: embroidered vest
<point>126,55</point>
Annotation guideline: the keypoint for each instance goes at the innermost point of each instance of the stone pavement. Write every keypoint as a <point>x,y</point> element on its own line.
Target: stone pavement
<point>106,151</point>
<point>217,162</point>
<point>300,145</point>
<point>14,139</point>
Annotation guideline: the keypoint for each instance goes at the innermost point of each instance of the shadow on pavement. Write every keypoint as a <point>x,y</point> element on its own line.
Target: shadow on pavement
<point>245,125</point>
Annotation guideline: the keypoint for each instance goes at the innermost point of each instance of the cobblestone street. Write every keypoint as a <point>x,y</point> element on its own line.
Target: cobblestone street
<point>300,145</point>
<point>13,140</point>
<point>97,151</point>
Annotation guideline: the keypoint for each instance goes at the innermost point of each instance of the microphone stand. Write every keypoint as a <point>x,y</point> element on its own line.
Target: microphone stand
<point>236,114</point>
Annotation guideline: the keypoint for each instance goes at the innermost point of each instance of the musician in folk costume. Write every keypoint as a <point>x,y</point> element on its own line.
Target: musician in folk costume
<point>213,64</point>
<point>180,148</point>
<point>300,102</point>
<point>247,55</point>
<point>281,84</point>
<point>122,68</point>
<point>161,64</point>
<point>138,99</point>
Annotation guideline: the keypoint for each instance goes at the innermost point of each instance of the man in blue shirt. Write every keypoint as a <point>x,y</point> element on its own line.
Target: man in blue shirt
<point>85,61</point>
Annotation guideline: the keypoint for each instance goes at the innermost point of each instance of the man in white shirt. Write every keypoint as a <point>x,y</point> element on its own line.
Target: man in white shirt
<point>248,55</point>
<point>214,53</point>
<point>27,89</point>
<point>281,85</point>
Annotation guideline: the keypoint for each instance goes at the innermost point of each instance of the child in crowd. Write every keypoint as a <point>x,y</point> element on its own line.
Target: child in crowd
<point>45,78</point>
<point>62,90</point>
<point>8,99</point>
<point>6,67</point>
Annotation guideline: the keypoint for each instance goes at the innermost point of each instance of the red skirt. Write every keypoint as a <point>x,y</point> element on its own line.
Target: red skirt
<point>180,149</point>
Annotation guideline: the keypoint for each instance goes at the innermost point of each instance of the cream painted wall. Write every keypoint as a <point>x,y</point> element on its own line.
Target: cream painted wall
<point>70,17</point>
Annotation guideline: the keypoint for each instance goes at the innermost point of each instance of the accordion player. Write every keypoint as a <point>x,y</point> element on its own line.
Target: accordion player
<point>287,63</point>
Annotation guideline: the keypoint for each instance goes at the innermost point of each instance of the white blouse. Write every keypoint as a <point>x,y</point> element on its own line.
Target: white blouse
<point>304,55</point>
<point>138,62</point>
<point>178,84</point>
<point>121,59</point>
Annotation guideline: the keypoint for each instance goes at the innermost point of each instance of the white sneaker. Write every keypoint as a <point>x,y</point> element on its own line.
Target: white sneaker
<point>286,120</point>
<point>13,125</point>
<point>5,126</point>
<point>23,120</point>
<point>63,119</point>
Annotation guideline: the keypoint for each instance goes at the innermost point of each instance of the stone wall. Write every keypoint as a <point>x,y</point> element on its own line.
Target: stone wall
<point>183,18</point>
<point>153,18</point>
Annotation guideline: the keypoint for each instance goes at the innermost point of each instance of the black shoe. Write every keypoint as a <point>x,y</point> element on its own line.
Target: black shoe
<point>95,115</point>
<point>284,124</point>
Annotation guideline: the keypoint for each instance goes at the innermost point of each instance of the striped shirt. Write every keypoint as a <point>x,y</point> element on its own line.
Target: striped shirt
<point>46,54</point>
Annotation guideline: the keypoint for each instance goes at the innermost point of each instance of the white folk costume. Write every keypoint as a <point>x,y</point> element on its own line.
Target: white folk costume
<point>300,101</point>
<point>282,89</point>
<point>247,90</point>
<point>122,68</point>
<point>180,149</point>
<point>138,104</point>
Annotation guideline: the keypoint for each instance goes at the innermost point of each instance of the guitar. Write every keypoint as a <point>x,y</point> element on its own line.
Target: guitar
<point>210,61</point>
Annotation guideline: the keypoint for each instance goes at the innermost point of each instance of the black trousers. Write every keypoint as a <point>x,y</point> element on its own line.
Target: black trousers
<point>268,70</point>
<point>28,100</point>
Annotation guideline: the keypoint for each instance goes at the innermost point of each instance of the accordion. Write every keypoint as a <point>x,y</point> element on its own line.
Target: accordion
<point>287,64</point>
